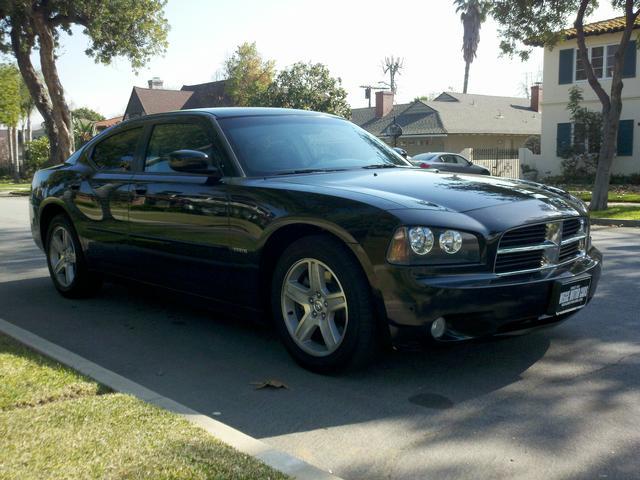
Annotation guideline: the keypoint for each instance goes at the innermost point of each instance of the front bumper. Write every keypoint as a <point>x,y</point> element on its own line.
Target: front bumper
<point>476,305</point>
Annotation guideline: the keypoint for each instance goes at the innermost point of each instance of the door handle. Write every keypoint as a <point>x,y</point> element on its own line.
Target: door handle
<point>140,189</point>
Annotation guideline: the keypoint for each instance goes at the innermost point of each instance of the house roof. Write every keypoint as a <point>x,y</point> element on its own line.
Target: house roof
<point>211,94</point>
<point>455,113</point>
<point>155,100</point>
<point>611,25</point>
<point>109,122</point>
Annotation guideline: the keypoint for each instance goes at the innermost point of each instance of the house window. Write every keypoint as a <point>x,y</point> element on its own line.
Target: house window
<point>573,138</point>
<point>611,58</point>
<point>602,59</point>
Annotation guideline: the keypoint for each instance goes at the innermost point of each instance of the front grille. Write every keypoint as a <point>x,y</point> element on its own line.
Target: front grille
<point>568,251</point>
<point>570,227</point>
<point>509,262</point>
<point>539,246</point>
<point>531,235</point>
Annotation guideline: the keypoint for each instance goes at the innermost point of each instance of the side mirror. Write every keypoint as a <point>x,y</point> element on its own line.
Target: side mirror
<point>192,161</point>
<point>401,151</point>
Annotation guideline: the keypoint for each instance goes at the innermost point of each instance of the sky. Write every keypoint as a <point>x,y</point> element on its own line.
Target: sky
<point>351,37</point>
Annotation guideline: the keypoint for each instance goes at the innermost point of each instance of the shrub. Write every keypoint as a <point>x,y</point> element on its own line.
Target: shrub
<point>36,155</point>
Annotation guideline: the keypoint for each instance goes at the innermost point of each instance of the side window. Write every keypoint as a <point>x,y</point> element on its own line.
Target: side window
<point>461,160</point>
<point>170,137</point>
<point>448,159</point>
<point>118,151</point>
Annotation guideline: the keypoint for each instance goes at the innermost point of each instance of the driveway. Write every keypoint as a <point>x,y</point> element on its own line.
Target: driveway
<point>560,403</point>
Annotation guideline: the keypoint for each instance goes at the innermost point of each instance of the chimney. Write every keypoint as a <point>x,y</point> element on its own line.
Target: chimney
<point>536,97</point>
<point>384,103</point>
<point>155,83</point>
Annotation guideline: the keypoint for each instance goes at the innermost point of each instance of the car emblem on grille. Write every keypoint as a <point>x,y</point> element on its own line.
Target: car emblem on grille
<point>553,240</point>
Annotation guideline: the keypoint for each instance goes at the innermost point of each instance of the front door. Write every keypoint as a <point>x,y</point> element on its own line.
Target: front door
<point>179,221</point>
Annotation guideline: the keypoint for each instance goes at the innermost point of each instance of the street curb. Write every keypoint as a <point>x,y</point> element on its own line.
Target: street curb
<point>612,222</point>
<point>276,459</point>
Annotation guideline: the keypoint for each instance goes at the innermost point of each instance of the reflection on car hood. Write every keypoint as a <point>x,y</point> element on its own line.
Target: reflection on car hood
<point>420,188</point>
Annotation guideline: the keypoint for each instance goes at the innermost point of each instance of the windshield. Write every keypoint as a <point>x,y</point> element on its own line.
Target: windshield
<point>282,144</point>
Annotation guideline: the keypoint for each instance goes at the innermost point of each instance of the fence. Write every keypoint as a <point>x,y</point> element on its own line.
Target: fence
<point>502,162</point>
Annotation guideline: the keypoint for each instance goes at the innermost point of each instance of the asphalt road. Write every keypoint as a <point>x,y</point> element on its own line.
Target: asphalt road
<point>557,404</point>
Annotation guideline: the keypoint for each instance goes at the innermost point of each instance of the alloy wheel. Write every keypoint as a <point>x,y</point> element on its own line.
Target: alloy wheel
<point>62,256</point>
<point>314,307</point>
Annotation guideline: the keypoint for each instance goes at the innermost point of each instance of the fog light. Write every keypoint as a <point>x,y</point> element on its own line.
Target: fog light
<point>438,327</point>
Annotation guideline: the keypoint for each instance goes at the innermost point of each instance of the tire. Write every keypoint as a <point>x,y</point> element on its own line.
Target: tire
<point>67,264</point>
<point>321,333</point>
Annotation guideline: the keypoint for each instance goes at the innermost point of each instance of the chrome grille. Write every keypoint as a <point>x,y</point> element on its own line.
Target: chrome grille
<point>531,235</point>
<point>508,262</point>
<point>544,245</point>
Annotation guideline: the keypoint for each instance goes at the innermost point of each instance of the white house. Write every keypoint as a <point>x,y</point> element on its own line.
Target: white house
<point>562,70</point>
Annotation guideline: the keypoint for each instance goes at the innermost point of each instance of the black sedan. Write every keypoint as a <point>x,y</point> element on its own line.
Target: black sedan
<point>448,162</point>
<point>311,219</point>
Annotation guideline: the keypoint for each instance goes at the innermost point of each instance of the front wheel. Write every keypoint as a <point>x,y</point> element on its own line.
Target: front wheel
<point>322,305</point>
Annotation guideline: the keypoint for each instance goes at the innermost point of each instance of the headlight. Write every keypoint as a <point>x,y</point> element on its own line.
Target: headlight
<point>451,241</point>
<point>421,240</point>
<point>417,245</point>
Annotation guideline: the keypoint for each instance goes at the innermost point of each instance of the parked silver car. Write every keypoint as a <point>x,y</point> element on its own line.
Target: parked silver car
<point>448,162</point>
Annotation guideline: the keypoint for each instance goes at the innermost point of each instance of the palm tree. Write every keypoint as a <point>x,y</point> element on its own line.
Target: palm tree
<point>472,14</point>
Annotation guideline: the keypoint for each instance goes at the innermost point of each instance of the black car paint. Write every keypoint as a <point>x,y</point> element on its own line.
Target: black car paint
<point>218,238</point>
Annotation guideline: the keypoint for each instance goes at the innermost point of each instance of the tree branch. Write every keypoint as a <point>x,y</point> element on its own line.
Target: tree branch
<point>66,20</point>
<point>584,58</point>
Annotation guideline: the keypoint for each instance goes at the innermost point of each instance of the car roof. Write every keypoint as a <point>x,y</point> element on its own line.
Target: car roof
<point>229,112</point>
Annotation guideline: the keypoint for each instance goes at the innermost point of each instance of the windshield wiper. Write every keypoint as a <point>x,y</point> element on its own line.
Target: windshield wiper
<point>310,170</point>
<point>382,165</point>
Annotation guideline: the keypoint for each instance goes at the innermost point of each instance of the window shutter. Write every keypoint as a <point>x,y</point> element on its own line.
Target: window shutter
<point>563,139</point>
<point>566,66</point>
<point>625,138</point>
<point>630,54</point>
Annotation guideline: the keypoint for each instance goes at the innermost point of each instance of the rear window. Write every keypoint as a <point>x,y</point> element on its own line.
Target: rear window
<point>424,156</point>
<point>118,151</point>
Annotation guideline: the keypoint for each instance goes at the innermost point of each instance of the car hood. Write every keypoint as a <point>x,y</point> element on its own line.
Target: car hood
<point>420,188</point>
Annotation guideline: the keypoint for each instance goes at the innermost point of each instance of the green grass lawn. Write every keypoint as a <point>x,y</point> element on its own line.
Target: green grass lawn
<point>14,186</point>
<point>618,213</point>
<point>55,423</point>
<point>613,196</point>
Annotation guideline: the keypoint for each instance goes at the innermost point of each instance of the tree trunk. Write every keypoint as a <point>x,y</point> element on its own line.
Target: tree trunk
<point>38,94</point>
<point>466,76</point>
<point>10,148</point>
<point>610,124</point>
<point>16,151</point>
<point>61,114</point>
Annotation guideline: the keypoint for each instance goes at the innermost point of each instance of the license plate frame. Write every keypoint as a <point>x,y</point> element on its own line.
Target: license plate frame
<point>569,295</point>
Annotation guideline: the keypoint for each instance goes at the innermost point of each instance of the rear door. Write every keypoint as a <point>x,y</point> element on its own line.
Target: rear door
<point>102,198</point>
<point>179,221</point>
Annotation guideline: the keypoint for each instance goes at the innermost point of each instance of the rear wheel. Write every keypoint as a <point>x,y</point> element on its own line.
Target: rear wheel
<point>322,306</point>
<point>66,262</point>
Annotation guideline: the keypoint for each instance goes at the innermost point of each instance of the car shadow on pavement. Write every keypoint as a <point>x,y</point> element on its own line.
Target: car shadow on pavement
<point>210,361</point>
